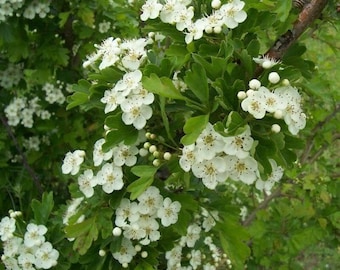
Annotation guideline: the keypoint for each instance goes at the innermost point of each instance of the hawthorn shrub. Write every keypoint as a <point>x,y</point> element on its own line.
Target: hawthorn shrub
<point>169,135</point>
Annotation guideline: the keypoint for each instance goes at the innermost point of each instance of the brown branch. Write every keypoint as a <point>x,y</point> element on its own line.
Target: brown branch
<point>307,16</point>
<point>28,168</point>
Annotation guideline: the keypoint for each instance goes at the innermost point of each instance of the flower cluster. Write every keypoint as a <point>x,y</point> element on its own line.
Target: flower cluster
<point>128,93</point>
<point>8,8</point>
<point>40,8</point>
<point>181,14</point>
<point>54,93</point>
<point>138,220</point>
<point>11,75</point>
<point>31,251</point>
<point>186,255</point>
<point>215,158</point>
<point>21,111</point>
<point>283,102</point>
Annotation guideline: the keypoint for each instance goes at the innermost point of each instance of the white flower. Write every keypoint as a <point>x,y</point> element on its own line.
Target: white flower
<point>10,263</point>
<point>195,30</point>
<point>141,96</point>
<point>109,50</point>
<point>134,53</point>
<point>209,220</point>
<point>168,12</point>
<point>168,213</point>
<point>98,154</point>
<point>244,170</point>
<point>127,210</point>
<point>193,234</point>
<point>129,82</point>
<point>150,226</point>
<point>188,157</point>
<point>255,104</point>
<point>274,177</point>
<point>34,235</point>
<point>87,181</point>
<point>233,13</point>
<point>208,143</point>
<point>150,200</point>
<point>72,209</point>
<point>110,177</point>
<point>239,145</point>
<point>134,231</point>
<point>183,18</point>
<point>7,228</point>
<point>272,101</point>
<point>196,259</point>
<point>46,256</point>
<point>26,261</point>
<point>112,99</point>
<point>150,10</point>
<point>126,252</point>
<point>12,246</point>
<point>174,257</point>
<point>265,61</point>
<point>211,171</point>
<point>135,114</point>
<point>124,154</point>
<point>72,162</point>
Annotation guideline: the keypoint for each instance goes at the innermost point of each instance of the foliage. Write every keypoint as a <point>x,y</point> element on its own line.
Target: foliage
<point>144,138</point>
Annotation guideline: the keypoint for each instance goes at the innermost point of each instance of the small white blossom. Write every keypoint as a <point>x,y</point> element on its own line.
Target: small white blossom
<point>125,154</point>
<point>126,252</point>
<point>98,154</point>
<point>168,213</point>
<point>110,177</point>
<point>239,145</point>
<point>150,200</point>
<point>7,228</point>
<point>34,235</point>
<point>46,256</point>
<point>150,10</point>
<point>87,181</point>
<point>244,170</point>
<point>72,162</point>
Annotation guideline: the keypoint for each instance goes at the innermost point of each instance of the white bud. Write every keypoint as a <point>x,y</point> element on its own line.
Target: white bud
<point>125,265</point>
<point>208,29</point>
<point>254,84</point>
<point>285,82</point>
<point>143,152</point>
<point>267,64</point>
<point>167,156</point>
<point>138,248</point>
<point>276,128</point>
<point>102,253</point>
<point>156,154</point>
<point>278,114</point>
<point>156,162</point>
<point>215,4</point>
<point>217,29</point>
<point>241,95</point>
<point>144,254</point>
<point>151,34</point>
<point>147,135</point>
<point>153,136</point>
<point>274,77</point>
<point>117,231</point>
<point>250,92</point>
<point>147,145</point>
<point>152,148</point>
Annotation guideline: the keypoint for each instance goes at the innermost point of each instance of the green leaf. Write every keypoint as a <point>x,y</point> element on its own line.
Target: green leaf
<point>139,186</point>
<point>63,16</point>
<point>335,219</point>
<point>234,122</point>
<point>144,266</point>
<point>42,210</point>
<point>81,94</point>
<point>87,15</point>
<point>162,86</point>
<point>283,9</point>
<point>193,128</point>
<point>144,170</point>
<point>233,239</point>
<point>197,81</point>
<point>78,229</point>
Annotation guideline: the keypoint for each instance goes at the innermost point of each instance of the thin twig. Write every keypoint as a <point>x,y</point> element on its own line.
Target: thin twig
<point>28,168</point>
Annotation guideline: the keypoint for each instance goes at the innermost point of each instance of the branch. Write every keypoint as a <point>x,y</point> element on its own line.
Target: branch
<point>28,168</point>
<point>307,16</point>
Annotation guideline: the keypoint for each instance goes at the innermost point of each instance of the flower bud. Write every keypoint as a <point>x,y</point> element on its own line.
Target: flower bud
<point>147,145</point>
<point>215,4</point>
<point>241,95</point>
<point>267,64</point>
<point>254,84</point>
<point>144,254</point>
<point>152,148</point>
<point>138,248</point>
<point>278,114</point>
<point>156,162</point>
<point>217,29</point>
<point>274,77</point>
<point>117,231</point>
<point>102,253</point>
<point>167,156</point>
<point>143,152</point>
<point>250,92</point>
<point>276,128</point>
<point>285,82</point>
<point>208,29</point>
